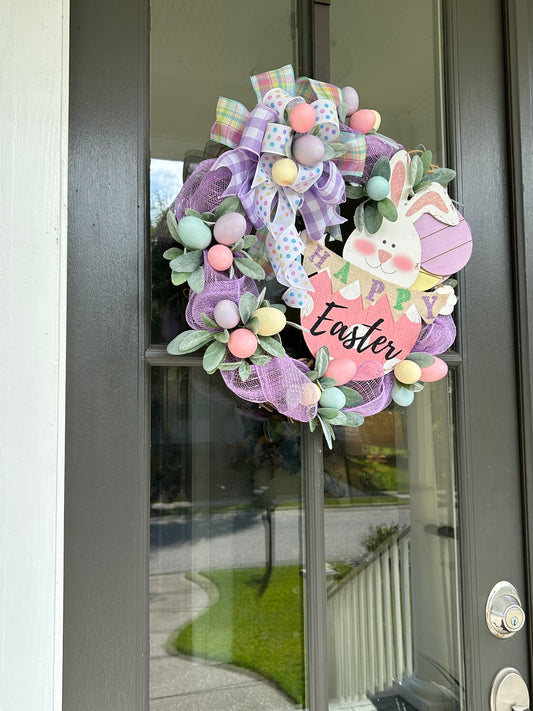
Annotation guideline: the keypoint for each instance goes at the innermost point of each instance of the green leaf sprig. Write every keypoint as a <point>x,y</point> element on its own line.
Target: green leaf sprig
<point>187,265</point>
<point>217,355</point>
<point>370,213</point>
<point>329,416</point>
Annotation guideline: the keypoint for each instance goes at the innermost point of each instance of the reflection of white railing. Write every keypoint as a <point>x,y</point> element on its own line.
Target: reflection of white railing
<point>370,639</point>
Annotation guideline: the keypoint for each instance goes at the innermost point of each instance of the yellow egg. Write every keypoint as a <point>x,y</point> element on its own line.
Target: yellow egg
<point>425,281</point>
<point>378,120</point>
<point>271,321</point>
<point>284,171</point>
<point>407,372</point>
<point>310,394</point>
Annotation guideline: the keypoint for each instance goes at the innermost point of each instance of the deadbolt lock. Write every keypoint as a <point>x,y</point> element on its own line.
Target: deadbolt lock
<point>504,612</point>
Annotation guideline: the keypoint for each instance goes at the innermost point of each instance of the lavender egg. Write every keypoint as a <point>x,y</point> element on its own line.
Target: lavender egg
<point>308,150</point>
<point>226,314</point>
<point>229,228</point>
<point>351,99</point>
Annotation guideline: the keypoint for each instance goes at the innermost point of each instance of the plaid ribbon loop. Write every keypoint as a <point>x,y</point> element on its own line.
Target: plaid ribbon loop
<point>260,138</point>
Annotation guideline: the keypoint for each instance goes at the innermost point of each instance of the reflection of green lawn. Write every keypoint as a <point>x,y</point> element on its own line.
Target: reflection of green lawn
<point>263,633</point>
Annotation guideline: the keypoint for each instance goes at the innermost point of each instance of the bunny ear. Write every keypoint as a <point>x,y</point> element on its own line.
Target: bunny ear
<point>400,184</point>
<point>433,201</point>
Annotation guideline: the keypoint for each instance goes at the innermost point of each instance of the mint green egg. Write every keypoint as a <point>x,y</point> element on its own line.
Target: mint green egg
<point>333,397</point>
<point>194,233</point>
<point>402,396</point>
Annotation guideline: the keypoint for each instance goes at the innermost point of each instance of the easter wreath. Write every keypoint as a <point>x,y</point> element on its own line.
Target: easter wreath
<point>374,318</point>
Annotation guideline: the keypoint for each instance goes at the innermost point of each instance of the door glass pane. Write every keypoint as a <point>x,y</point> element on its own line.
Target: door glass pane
<point>200,50</point>
<point>394,637</point>
<point>393,618</point>
<point>391,52</point>
<point>226,572</point>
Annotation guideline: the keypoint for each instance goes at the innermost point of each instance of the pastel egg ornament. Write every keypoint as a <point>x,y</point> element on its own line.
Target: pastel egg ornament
<point>377,122</point>
<point>220,257</point>
<point>284,172</point>
<point>377,188</point>
<point>402,396</point>
<point>436,371</point>
<point>226,314</point>
<point>271,321</point>
<point>302,118</point>
<point>363,120</point>
<point>194,233</point>
<point>333,397</point>
<point>308,150</point>
<point>310,394</point>
<point>341,369</point>
<point>351,99</point>
<point>242,343</point>
<point>407,372</point>
<point>229,228</point>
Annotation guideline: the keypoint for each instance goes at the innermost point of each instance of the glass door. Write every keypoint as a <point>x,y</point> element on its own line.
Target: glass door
<point>280,575</point>
<point>230,576</point>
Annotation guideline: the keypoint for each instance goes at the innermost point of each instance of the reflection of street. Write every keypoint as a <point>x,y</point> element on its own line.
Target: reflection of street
<point>191,542</point>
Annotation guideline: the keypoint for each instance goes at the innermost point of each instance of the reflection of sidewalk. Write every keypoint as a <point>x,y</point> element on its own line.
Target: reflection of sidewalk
<point>177,683</point>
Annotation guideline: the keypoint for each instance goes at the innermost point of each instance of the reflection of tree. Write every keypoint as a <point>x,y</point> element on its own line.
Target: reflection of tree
<point>270,456</point>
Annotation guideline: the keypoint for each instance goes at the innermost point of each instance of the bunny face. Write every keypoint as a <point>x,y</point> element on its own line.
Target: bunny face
<point>393,253</point>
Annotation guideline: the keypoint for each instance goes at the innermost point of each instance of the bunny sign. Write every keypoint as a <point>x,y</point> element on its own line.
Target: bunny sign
<point>394,252</point>
<point>374,318</point>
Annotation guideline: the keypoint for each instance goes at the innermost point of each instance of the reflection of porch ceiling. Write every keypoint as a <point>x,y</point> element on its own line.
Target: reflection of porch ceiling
<point>199,50</point>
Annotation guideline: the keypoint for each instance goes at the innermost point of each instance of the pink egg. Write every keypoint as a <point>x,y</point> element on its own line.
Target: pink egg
<point>302,118</point>
<point>433,372</point>
<point>242,343</point>
<point>351,99</point>
<point>308,150</point>
<point>220,257</point>
<point>226,314</point>
<point>229,228</point>
<point>342,369</point>
<point>363,120</point>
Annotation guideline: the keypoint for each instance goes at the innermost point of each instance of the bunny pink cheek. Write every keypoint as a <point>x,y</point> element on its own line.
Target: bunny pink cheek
<point>365,246</point>
<point>403,263</point>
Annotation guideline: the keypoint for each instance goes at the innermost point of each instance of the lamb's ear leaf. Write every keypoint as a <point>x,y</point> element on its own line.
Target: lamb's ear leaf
<point>322,360</point>
<point>327,429</point>
<point>172,225</point>
<point>373,218</point>
<point>354,192</point>
<point>426,158</point>
<point>354,419</point>
<point>359,217</point>
<point>353,398</point>
<point>387,209</point>
<point>214,356</point>
<point>417,169</point>
<point>189,341</point>
<point>382,168</point>
<point>229,204</point>
<point>178,278</point>
<point>442,176</point>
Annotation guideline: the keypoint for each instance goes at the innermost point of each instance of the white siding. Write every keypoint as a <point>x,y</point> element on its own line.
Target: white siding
<point>33,167</point>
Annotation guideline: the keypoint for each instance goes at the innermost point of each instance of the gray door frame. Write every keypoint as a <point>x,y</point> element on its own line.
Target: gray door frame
<point>106,515</point>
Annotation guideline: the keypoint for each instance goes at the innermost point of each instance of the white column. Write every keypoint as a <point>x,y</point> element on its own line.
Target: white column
<point>33,170</point>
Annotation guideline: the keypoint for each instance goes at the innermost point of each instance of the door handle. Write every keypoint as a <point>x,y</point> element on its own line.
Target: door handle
<point>509,691</point>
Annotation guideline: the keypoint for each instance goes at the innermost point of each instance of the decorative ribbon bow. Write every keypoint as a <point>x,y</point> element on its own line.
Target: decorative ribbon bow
<point>261,138</point>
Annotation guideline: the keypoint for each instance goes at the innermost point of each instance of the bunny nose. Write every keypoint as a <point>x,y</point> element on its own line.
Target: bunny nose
<point>383,255</point>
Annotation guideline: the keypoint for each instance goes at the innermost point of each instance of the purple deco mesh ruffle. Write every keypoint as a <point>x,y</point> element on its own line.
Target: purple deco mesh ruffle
<point>281,382</point>
<point>203,190</point>
<point>218,286</point>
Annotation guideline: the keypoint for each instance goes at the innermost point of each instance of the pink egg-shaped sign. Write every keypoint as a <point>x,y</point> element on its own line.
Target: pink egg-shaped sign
<point>349,330</point>
<point>445,248</point>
